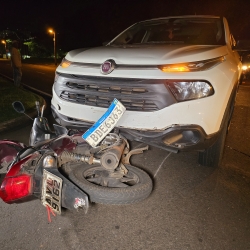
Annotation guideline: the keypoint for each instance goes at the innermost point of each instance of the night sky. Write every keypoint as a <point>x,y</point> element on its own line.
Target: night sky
<point>88,23</point>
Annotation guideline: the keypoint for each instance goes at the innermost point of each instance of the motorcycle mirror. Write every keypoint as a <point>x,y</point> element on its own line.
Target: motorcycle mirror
<point>18,106</point>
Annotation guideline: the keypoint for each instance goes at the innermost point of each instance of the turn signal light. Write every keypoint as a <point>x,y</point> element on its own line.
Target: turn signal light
<point>175,68</point>
<point>16,187</point>
<point>65,63</point>
<point>192,66</point>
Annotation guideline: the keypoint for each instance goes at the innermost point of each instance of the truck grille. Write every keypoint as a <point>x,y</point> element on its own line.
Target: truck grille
<point>105,101</point>
<point>135,94</point>
<point>107,89</point>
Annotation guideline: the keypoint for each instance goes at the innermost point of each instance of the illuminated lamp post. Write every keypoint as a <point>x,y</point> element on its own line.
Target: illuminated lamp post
<point>54,39</point>
<point>4,42</point>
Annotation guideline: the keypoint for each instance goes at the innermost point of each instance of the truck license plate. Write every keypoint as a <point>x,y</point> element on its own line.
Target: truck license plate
<point>52,191</point>
<point>105,124</point>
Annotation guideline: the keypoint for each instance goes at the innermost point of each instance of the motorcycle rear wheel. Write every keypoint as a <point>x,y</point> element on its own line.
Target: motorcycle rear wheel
<point>132,193</point>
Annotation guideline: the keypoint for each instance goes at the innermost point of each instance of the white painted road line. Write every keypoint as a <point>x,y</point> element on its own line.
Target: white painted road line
<point>161,164</point>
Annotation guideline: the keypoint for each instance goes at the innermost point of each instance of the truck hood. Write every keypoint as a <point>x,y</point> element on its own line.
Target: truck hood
<point>147,54</point>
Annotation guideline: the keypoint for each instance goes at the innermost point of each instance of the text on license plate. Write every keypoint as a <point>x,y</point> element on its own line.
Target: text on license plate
<point>52,191</point>
<point>105,124</point>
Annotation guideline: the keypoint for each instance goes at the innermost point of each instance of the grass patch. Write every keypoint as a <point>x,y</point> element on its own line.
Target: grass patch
<point>9,94</point>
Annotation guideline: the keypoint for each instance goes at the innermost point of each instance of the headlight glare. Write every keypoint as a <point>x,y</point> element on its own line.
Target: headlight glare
<point>244,67</point>
<point>189,90</point>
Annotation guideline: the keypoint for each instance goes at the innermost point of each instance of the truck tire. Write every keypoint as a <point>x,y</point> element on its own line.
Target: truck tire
<point>112,195</point>
<point>212,156</point>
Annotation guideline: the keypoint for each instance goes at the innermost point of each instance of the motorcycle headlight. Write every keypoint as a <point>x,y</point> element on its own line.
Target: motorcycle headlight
<point>192,66</point>
<point>189,90</point>
<point>49,161</point>
<point>65,63</point>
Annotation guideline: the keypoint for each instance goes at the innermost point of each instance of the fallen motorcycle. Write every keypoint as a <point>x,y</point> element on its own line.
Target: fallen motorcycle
<point>69,168</point>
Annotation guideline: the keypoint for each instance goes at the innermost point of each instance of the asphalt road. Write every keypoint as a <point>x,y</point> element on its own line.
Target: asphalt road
<point>191,207</point>
<point>40,77</point>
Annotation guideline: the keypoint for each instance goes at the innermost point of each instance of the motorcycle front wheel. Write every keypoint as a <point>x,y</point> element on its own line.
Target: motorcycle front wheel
<point>133,187</point>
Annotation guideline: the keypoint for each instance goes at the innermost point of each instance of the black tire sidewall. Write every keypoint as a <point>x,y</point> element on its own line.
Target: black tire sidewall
<point>212,156</point>
<point>107,195</point>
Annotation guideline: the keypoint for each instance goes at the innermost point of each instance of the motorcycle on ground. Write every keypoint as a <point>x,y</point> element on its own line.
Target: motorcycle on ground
<point>69,169</point>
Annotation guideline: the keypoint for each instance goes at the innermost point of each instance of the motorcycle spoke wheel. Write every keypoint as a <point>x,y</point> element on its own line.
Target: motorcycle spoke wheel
<point>133,187</point>
<point>100,176</point>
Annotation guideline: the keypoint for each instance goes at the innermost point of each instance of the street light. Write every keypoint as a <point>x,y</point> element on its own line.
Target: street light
<point>4,42</point>
<point>54,39</point>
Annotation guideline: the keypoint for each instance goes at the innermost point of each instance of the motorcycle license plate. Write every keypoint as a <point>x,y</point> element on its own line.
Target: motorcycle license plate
<point>105,124</point>
<point>52,191</point>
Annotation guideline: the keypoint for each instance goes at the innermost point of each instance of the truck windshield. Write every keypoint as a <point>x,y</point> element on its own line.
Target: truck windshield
<point>198,31</point>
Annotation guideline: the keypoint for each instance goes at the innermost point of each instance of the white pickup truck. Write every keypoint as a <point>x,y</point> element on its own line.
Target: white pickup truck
<point>177,77</point>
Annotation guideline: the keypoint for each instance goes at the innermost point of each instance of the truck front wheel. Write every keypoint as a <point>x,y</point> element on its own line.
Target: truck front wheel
<point>212,156</point>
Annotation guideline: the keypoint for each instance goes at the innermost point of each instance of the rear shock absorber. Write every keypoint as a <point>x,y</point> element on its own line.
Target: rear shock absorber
<point>68,156</point>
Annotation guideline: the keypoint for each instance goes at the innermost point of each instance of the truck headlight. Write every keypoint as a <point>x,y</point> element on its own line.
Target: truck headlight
<point>188,90</point>
<point>192,66</point>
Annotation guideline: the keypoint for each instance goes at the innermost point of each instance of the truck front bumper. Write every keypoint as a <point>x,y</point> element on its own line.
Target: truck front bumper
<point>174,139</point>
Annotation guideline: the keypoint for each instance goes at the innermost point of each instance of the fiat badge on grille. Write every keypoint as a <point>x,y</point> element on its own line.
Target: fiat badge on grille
<point>107,67</point>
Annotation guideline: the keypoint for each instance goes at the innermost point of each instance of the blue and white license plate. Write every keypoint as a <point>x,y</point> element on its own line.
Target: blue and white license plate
<point>105,124</point>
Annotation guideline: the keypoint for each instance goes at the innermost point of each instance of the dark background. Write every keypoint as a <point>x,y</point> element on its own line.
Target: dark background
<point>88,23</point>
